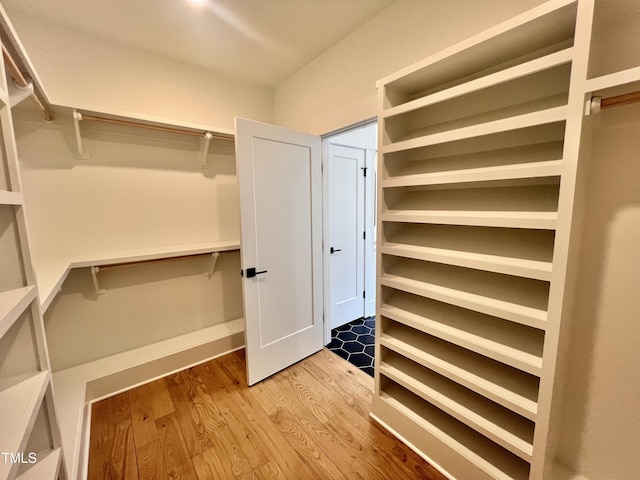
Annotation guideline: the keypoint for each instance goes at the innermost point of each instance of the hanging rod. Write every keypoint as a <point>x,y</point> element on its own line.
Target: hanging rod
<point>160,128</point>
<point>22,82</point>
<point>597,103</point>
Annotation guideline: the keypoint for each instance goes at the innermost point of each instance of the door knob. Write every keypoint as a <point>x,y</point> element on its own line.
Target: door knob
<point>334,250</point>
<point>251,272</point>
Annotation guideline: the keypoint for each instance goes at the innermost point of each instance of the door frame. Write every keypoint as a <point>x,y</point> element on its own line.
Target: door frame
<point>325,214</point>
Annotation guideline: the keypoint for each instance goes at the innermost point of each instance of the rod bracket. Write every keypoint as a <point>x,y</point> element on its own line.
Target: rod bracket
<point>593,105</point>
<point>77,118</point>
<point>204,149</point>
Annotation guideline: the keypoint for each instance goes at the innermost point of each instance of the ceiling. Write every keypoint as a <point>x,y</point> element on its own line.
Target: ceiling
<point>260,41</point>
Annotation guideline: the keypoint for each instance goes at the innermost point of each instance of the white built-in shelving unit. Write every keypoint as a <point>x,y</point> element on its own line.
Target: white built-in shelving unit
<point>28,420</point>
<point>478,158</point>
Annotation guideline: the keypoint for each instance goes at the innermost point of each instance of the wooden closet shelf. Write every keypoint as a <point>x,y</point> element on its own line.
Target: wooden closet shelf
<point>11,198</point>
<point>513,73</point>
<point>483,377</point>
<point>18,409</point>
<point>533,170</point>
<point>45,469</point>
<point>497,344</point>
<point>551,115</point>
<point>507,429</point>
<point>12,304</point>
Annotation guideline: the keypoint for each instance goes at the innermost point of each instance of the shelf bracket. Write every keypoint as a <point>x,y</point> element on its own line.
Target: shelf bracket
<point>94,277</point>
<point>212,265</point>
<point>77,118</point>
<point>204,149</point>
<point>17,94</point>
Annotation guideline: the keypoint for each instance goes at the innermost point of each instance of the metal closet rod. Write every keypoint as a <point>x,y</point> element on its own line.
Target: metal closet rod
<point>21,82</point>
<point>152,127</point>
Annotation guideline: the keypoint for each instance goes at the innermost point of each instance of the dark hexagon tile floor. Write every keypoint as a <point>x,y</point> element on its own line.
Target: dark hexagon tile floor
<point>354,342</point>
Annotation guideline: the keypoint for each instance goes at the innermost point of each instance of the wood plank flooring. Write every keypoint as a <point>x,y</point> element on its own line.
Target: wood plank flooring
<point>308,422</point>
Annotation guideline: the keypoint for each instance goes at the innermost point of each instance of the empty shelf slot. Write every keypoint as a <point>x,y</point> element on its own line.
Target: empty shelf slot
<point>406,170</point>
<point>527,145</point>
<point>511,388</point>
<point>512,207</point>
<point>500,77</point>
<point>515,345</point>
<point>488,456</point>
<point>508,429</point>
<point>534,34</point>
<point>18,410</point>
<point>524,253</point>
<point>18,352</point>
<point>517,299</point>
<point>533,93</point>
<point>418,139</point>
<point>520,174</point>
<point>12,304</point>
<point>46,467</point>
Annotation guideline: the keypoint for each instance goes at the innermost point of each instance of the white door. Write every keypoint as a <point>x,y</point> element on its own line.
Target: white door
<point>280,180</point>
<point>346,226</point>
<point>370,242</point>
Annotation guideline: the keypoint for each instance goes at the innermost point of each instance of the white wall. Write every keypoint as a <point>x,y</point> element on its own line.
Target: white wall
<point>338,89</point>
<point>89,72</point>
<point>138,189</point>
<point>599,421</point>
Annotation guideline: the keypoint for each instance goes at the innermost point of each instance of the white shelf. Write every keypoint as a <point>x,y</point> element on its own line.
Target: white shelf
<point>485,377</point>
<point>536,220</point>
<point>507,429</point>
<point>84,383</point>
<point>551,168</point>
<point>493,460</point>
<point>11,198</point>
<point>522,267</point>
<point>624,77</point>
<point>551,115</point>
<point>513,73</point>
<point>18,409</point>
<point>518,348</point>
<point>51,272</point>
<point>524,315</point>
<point>12,304</point>
<point>45,469</point>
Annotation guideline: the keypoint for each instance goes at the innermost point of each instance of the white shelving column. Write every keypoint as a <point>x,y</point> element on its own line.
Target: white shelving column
<point>478,158</point>
<point>29,433</point>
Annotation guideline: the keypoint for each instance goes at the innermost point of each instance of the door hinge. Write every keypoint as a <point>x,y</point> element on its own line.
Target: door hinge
<point>364,294</point>
<point>364,235</point>
<point>364,170</point>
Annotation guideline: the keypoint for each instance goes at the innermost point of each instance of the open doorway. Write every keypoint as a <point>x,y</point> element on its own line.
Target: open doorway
<point>350,204</point>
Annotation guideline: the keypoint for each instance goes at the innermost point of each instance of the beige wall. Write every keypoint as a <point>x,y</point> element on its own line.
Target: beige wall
<point>89,72</point>
<point>337,89</point>
<point>599,421</point>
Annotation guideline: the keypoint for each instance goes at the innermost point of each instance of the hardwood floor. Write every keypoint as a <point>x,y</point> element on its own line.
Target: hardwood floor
<point>308,422</point>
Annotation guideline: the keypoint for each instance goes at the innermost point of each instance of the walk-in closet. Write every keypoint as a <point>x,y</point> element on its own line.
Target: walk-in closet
<point>184,225</point>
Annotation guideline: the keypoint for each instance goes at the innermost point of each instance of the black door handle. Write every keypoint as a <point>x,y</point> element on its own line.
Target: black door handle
<point>251,272</point>
<point>334,250</point>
